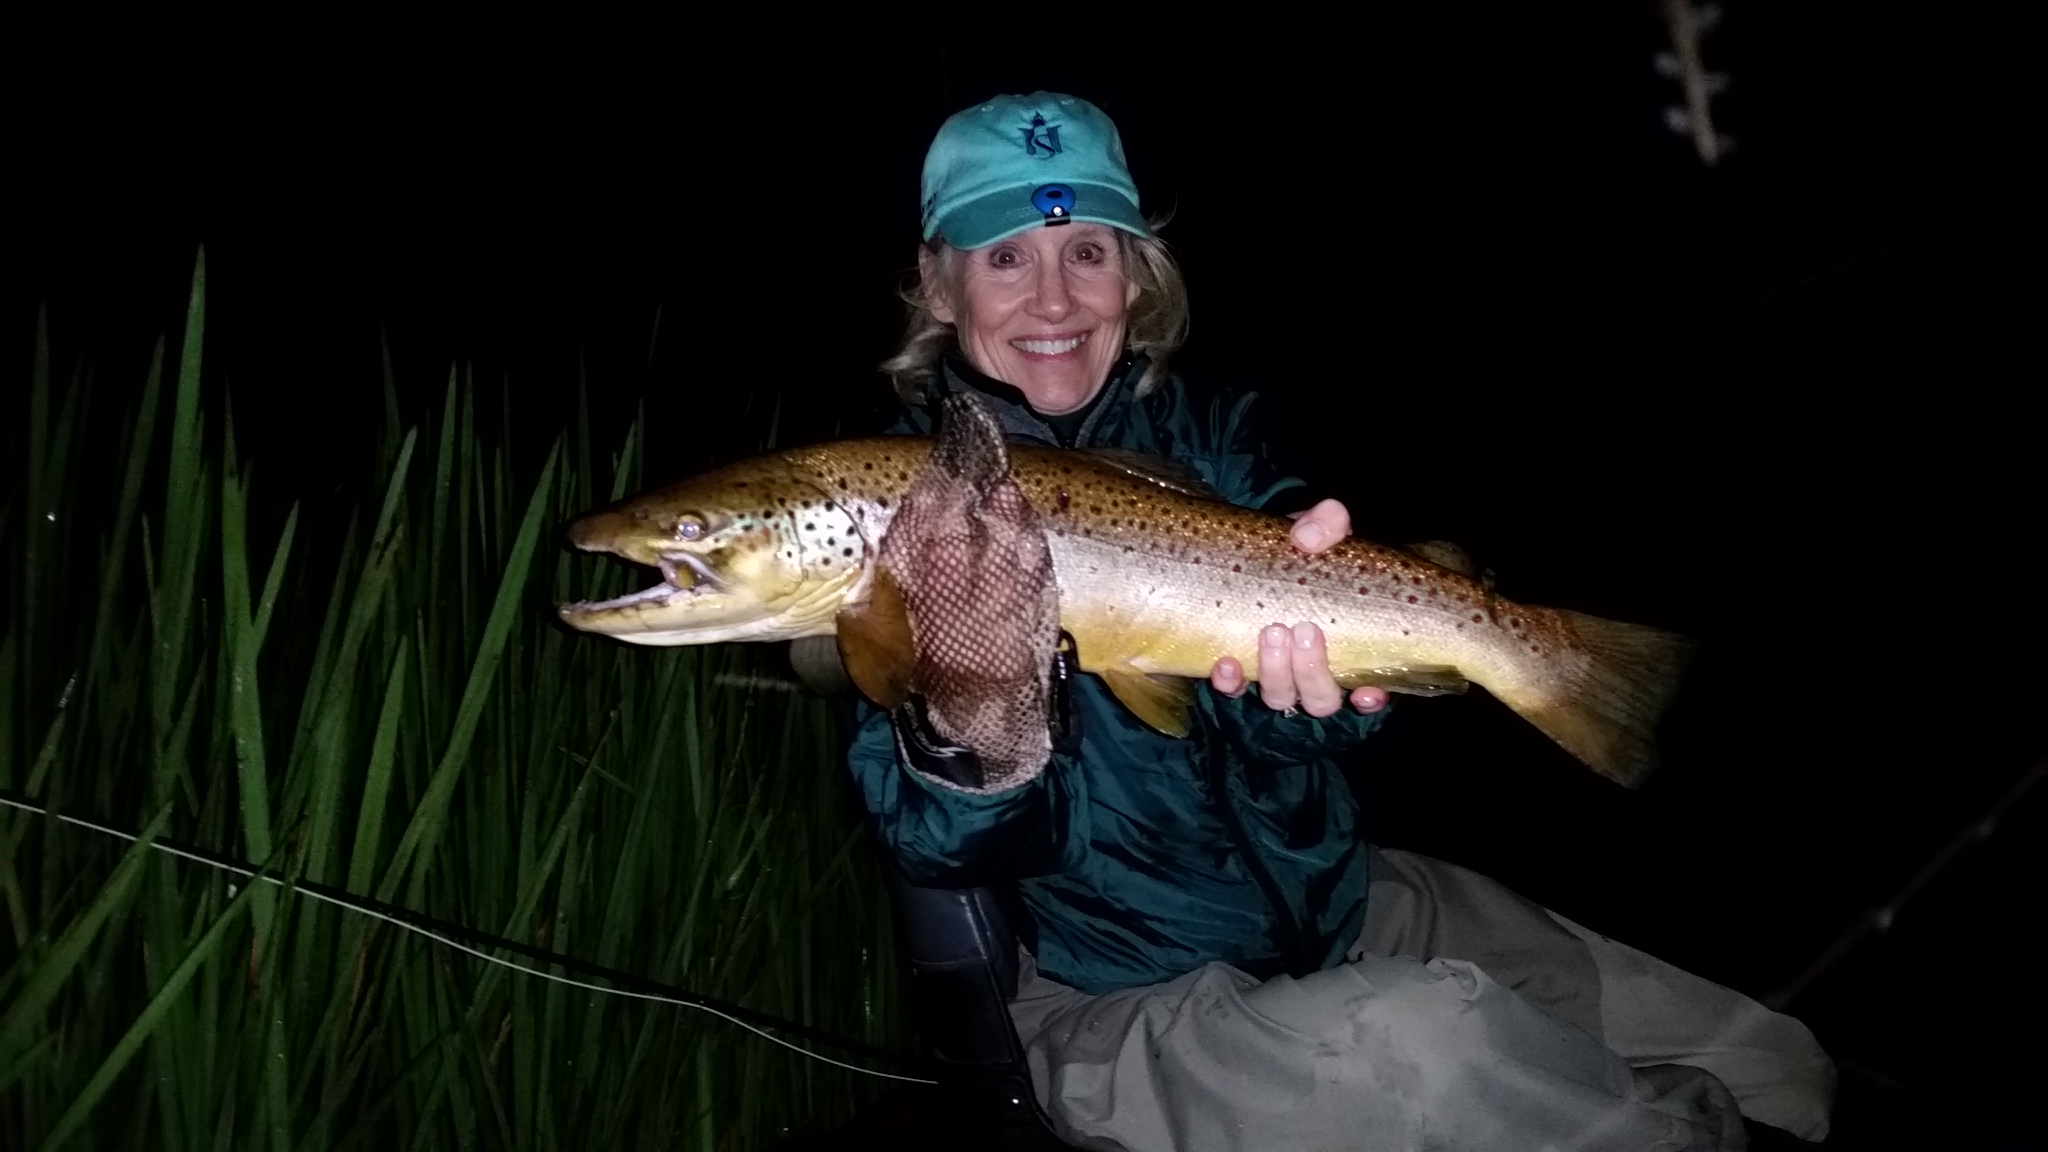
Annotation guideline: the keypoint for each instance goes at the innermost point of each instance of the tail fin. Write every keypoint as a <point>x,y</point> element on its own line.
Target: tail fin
<point>1608,717</point>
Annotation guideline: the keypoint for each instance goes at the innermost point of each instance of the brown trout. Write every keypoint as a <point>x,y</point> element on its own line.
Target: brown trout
<point>1157,579</point>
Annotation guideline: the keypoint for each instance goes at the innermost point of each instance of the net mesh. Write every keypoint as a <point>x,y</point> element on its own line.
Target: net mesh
<point>969,554</point>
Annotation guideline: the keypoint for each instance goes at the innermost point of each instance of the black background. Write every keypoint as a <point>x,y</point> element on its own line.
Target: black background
<point>1784,405</point>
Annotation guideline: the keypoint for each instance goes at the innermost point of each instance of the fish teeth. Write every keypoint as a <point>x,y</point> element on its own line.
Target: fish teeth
<point>661,592</point>
<point>1050,347</point>
<point>705,577</point>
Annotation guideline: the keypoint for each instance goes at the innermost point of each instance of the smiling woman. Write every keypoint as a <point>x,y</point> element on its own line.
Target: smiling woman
<point>1050,309</point>
<point>1204,928</point>
<point>1044,288</point>
<point>1044,310</point>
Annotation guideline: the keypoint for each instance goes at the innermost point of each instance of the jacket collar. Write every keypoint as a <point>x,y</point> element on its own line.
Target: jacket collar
<point>1020,422</point>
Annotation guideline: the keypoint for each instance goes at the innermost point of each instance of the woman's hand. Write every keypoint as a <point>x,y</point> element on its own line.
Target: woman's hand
<point>1294,664</point>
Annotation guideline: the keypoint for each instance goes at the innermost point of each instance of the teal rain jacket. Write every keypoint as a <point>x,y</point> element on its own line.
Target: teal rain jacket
<point>1143,856</point>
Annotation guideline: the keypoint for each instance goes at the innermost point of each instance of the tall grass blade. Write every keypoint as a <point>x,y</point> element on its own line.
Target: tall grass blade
<point>422,835</point>
<point>88,1098</point>
<point>59,964</point>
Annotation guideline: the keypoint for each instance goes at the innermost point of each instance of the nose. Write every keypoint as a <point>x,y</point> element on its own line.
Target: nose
<point>1050,299</point>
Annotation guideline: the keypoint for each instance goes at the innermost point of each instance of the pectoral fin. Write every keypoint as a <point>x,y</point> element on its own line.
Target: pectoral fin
<point>1162,702</point>
<point>1412,680</point>
<point>875,643</point>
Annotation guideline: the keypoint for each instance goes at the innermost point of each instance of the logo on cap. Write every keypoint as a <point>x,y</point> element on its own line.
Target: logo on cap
<point>1041,137</point>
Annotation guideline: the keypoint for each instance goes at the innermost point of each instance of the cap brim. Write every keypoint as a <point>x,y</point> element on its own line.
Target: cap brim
<point>1001,215</point>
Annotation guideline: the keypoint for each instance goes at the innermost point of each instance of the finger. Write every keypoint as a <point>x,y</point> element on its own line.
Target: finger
<point>1227,677</point>
<point>1368,699</point>
<point>1321,527</point>
<point>1320,695</point>
<point>1276,667</point>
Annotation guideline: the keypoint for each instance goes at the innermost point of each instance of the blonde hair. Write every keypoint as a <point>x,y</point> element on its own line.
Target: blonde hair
<point>1155,326</point>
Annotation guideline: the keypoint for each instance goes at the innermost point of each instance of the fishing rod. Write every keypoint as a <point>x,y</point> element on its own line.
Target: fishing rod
<point>1880,919</point>
<point>470,941</point>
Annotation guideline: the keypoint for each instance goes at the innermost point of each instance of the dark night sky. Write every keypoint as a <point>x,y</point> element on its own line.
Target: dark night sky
<point>1779,405</point>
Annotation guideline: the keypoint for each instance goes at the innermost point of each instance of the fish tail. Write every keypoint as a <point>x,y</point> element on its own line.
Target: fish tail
<point>1614,697</point>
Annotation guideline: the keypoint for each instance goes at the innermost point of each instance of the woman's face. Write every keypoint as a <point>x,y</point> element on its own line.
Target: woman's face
<point>1043,311</point>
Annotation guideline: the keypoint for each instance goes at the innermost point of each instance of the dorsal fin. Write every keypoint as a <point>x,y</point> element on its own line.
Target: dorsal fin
<point>1170,474</point>
<point>1445,554</point>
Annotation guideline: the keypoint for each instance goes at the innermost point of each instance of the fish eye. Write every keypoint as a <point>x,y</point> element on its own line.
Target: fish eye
<point>689,527</point>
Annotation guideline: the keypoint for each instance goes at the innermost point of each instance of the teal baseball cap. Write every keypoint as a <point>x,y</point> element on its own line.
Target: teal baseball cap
<point>1019,162</point>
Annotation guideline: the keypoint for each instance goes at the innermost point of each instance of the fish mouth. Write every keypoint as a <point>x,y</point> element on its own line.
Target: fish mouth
<point>683,576</point>
<point>701,575</point>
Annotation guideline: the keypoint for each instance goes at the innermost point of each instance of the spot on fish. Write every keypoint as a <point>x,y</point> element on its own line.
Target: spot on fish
<point>1237,567</point>
<point>1364,591</point>
<point>1411,598</point>
<point>867,467</point>
<point>1301,580</point>
<point>846,551</point>
<point>1478,618</point>
<point>1063,500</point>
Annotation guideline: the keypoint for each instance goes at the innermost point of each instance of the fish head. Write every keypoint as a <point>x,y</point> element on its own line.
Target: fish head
<point>754,551</point>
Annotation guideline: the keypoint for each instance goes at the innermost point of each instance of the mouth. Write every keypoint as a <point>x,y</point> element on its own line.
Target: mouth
<point>1051,348</point>
<point>682,576</point>
<point>674,565</point>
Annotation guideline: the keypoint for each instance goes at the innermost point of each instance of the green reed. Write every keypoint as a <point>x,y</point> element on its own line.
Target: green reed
<point>383,703</point>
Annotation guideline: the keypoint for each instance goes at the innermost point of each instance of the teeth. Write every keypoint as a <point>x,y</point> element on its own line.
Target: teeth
<point>1050,347</point>
<point>661,592</point>
<point>701,575</point>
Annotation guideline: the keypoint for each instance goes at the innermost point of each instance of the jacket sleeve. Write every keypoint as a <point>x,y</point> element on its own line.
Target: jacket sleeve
<point>945,835</point>
<point>1273,740</point>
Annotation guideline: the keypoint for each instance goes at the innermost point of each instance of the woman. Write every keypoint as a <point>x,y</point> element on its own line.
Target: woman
<point>1215,959</point>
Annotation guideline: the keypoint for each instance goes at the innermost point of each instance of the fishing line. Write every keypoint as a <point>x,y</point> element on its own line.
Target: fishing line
<point>452,936</point>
